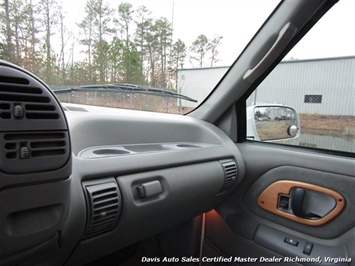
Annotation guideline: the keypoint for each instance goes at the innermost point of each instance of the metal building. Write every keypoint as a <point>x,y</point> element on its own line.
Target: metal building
<point>197,83</point>
<point>317,86</point>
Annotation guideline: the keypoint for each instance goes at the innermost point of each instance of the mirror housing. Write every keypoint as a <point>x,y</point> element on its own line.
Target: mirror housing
<point>272,122</point>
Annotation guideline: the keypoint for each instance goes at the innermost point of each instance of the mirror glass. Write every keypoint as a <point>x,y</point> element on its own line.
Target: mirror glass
<point>275,122</point>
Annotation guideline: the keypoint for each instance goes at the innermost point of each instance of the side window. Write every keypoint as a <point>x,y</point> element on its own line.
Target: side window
<point>317,80</point>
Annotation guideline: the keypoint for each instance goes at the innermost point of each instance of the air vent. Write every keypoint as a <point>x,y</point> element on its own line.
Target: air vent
<point>15,80</point>
<point>104,206</point>
<point>24,100</point>
<point>34,135</point>
<point>230,172</point>
<point>36,145</point>
<point>31,152</point>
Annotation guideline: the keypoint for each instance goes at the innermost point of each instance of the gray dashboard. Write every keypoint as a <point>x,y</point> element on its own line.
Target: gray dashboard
<point>79,182</point>
<point>177,160</point>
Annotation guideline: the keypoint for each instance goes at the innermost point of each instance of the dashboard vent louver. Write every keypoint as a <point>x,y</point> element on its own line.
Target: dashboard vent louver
<point>26,145</point>
<point>104,207</point>
<point>230,172</point>
<point>25,102</point>
<point>14,80</point>
<point>33,151</point>
<point>34,135</point>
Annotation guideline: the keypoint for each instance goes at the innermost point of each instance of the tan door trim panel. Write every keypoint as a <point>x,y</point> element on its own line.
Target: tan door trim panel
<point>268,200</point>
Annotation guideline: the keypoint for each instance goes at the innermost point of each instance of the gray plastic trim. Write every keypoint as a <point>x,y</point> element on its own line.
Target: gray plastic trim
<point>31,215</point>
<point>180,152</point>
<point>118,127</point>
<point>274,240</point>
<point>118,150</point>
<point>194,185</point>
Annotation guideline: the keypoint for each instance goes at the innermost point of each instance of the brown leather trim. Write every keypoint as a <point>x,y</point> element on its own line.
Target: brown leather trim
<point>268,200</point>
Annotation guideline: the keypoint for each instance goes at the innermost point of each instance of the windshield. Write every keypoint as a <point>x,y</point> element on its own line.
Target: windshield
<point>132,54</point>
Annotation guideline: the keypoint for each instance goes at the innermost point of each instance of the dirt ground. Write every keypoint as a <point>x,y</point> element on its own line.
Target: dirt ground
<point>272,129</point>
<point>125,100</point>
<point>330,125</point>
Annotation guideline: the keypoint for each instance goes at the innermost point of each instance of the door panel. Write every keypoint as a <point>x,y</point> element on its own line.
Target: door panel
<point>331,229</point>
<point>255,228</point>
<point>222,240</point>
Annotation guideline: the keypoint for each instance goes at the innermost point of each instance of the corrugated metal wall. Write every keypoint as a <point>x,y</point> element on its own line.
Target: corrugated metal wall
<point>332,79</point>
<point>289,83</point>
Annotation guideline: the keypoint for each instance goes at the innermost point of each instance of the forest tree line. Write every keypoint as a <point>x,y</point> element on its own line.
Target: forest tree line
<point>115,44</point>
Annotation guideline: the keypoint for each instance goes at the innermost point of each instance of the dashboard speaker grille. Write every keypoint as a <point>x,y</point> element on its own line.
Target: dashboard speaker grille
<point>104,205</point>
<point>230,172</point>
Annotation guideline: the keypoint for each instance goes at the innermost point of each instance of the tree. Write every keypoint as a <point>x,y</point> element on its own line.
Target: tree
<point>2,50</point>
<point>7,48</point>
<point>33,59</point>
<point>96,25</point>
<point>151,46</point>
<point>49,8</point>
<point>64,39</point>
<point>101,59</point>
<point>20,34</point>
<point>212,47</point>
<point>150,57</point>
<point>199,48</point>
<point>163,35</point>
<point>143,25</point>
<point>131,64</point>
<point>17,17</point>
<point>115,55</point>
<point>125,17</point>
<point>86,25</point>
<point>178,55</point>
<point>102,18</point>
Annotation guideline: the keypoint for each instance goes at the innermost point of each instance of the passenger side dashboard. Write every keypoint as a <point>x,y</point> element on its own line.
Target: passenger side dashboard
<point>80,182</point>
<point>168,169</point>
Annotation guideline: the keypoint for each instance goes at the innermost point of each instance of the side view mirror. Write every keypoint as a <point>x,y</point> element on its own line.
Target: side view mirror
<point>272,122</point>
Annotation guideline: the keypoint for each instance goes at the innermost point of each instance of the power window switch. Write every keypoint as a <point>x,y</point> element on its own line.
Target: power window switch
<point>308,248</point>
<point>291,241</point>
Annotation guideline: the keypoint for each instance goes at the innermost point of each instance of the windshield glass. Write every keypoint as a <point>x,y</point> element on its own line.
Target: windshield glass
<point>141,55</point>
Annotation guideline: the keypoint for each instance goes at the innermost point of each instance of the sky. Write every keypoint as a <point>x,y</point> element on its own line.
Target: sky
<point>237,21</point>
<point>332,36</point>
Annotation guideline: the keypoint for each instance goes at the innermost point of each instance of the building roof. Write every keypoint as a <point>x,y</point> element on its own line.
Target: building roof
<point>288,61</point>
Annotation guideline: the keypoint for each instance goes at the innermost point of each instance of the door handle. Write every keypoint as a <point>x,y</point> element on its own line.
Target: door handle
<point>297,201</point>
<point>310,204</point>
